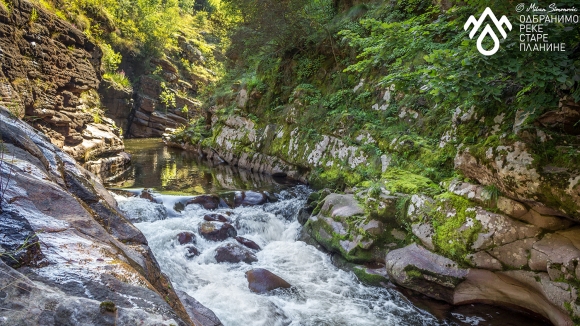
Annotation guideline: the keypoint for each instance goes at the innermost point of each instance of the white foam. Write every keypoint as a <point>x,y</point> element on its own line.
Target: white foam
<point>322,295</point>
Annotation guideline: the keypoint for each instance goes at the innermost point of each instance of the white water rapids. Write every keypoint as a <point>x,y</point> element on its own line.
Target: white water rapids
<point>322,294</point>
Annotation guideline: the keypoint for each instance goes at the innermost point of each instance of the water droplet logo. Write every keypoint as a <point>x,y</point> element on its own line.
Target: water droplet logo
<point>487,30</point>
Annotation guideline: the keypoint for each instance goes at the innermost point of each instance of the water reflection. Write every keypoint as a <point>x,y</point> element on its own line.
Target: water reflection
<point>174,171</point>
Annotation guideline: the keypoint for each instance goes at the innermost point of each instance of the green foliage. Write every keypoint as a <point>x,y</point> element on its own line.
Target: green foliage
<point>111,59</point>
<point>33,16</point>
<point>7,6</point>
<point>425,50</point>
<point>167,96</point>
<point>29,241</point>
<point>408,183</point>
<point>194,133</point>
<point>118,79</point>
<point>491,193</point>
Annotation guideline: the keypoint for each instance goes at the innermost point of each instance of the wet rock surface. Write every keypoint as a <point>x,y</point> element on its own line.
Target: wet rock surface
<point>248,243</point>
<point>82,249</point>
<point>216,231</point>
<point>208,202</point>
<point>249,198</point>
<point>18,242</point>
<point>216,218</point>
<point>234,253</point>
<point>199,313</point>
<point>191,252</point>
<point>262,280</point>
<point>186,238</point>
<point>36,300</point>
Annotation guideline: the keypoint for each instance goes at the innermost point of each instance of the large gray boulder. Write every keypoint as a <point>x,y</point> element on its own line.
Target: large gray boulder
<point>417,268</point>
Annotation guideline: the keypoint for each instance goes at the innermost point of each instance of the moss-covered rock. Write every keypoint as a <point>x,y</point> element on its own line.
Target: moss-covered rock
<point>342,225</point>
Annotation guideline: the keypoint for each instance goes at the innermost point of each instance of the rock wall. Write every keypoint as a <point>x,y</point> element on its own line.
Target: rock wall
<point>278,150</point>
<point>49,77</point>
<point>151,118</point>
<point>140,110</point>
<point>68,255</point>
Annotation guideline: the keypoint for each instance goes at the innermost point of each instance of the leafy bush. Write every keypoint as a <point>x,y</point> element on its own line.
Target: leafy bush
<point>167,97</point>
<point>118,79</point>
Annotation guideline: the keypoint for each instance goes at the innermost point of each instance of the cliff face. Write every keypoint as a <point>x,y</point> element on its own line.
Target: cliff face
<point>49,77</point>
<point>78,259</point>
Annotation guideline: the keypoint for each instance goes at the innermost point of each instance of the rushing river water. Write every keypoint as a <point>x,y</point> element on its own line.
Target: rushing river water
<point>321,294</point>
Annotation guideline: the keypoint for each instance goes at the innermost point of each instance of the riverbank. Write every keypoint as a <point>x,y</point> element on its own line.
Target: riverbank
<point>318,286</point>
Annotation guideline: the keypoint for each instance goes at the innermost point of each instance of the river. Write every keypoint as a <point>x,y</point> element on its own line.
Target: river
<point>322,294</point>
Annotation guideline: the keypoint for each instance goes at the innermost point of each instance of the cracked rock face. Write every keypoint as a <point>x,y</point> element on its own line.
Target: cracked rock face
<point>548,190</point>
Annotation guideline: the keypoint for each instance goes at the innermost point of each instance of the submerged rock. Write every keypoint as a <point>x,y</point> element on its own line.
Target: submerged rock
<point>216,218</point>
<point>147,194</point>
<point>249,198</point>
<point>262,280</point>
<point>186,237</point>
<point>233,253</point>
<point>216,231</point>
<point>208,202</point>
<point>248,243</point>
<point>191,251</point>
<point>143,210</point>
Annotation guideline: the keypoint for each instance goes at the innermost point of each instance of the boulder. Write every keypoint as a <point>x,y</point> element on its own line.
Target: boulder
<point>249,198</point>
<point>558,254</point>
<point>207,202</point>
<point>337,206</point>
<point>186,238</point>
<point>216,231</point>
<point>248,243</point>
<point>216,218</point>
<point>498,230</point>
<point>262,280</point>
<point>303,215</point>
<point>424,231</point>
<point>147,194</point>
<point>551,190</point>
<point>370,274</point>
<point>191,251</point>
<point>341,227</point>
<point>233,253</point>
<point>417,268</point>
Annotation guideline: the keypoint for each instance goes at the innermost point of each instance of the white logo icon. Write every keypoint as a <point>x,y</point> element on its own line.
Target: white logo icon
<point>487,30</point>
